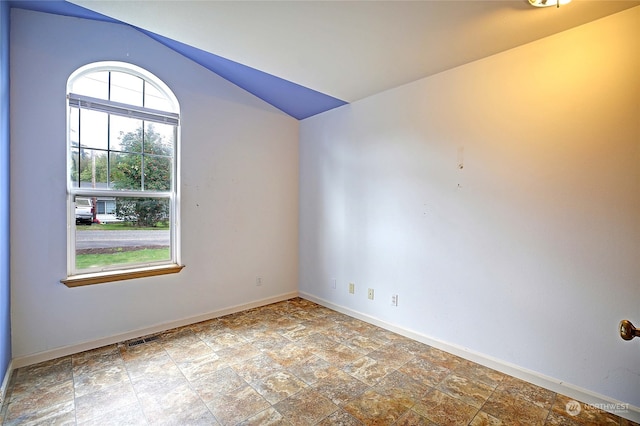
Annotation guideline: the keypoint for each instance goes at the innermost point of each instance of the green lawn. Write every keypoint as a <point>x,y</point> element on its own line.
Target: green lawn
<point>84,261</point>
<point>119,226</point>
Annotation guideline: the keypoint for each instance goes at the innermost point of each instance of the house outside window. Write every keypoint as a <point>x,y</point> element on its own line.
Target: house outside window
<point>122,174</point>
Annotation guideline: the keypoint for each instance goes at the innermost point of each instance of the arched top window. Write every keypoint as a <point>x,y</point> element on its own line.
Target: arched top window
<point>123,83</point>
<point>123,128</point>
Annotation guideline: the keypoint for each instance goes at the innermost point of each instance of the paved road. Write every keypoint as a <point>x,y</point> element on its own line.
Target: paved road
<point>105,239</point>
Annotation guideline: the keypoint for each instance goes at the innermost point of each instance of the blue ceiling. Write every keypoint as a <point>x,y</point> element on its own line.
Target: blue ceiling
<point>295,100</point>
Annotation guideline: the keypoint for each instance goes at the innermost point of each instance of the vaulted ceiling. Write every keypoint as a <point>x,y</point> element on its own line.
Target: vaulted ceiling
<point>306,57</point>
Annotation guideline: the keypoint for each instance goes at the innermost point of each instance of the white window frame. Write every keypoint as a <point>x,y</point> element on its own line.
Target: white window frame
<point>120,272</point>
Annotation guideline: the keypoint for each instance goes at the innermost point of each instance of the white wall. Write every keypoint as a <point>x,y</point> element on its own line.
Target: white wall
<point>530,253</point>
<point>239,191</point>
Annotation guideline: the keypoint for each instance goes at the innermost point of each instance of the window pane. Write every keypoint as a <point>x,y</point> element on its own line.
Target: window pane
<point>93,129</point>
<point>126,171</point>
<point>95,84</point>
<point>106,209</point>
<point>154,99</point>
<point>74,167</point>
<point>125,134</point>
<point>93,168</point>
<point>157,173</point>
<point>138,234</point>
<point>74,127</point>
<point>159,139</point>
<point>126,88</point>
<point>110,206</point>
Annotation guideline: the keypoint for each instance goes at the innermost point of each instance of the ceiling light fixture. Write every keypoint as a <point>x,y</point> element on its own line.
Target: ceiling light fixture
<point>547,3</point>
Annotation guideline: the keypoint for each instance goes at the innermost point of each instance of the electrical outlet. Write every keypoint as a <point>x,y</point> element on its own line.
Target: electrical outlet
<point>370,294</point>
<point>352,288</point>
<point>333,283</point>
<point>394,300</point>
<point>258,281</point>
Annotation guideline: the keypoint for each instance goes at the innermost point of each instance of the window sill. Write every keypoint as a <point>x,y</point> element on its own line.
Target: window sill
<point>105,277</point>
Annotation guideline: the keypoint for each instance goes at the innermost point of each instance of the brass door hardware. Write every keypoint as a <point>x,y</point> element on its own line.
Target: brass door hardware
<point>628,331</point>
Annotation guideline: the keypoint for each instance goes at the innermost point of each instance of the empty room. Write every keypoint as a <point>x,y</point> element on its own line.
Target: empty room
<point>320,212</point>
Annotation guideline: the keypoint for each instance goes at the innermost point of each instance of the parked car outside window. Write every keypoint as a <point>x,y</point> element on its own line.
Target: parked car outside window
<point>84,211</point>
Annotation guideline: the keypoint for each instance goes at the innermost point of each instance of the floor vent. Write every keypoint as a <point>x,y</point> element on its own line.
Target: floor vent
<point>141,341</point>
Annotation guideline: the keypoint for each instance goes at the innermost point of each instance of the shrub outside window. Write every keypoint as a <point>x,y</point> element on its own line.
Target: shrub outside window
<point>122,150</point>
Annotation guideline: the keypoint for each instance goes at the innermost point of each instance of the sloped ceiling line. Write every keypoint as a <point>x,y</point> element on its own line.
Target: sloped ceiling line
<point>298,101</point>
<point>293,99</point>
<point>308,56</point>
<point>350,49</point>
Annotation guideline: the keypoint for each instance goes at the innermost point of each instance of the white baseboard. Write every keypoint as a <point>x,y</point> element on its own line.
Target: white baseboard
<point>5,383</point>
<point>629,411</point>
<point>85,346</point>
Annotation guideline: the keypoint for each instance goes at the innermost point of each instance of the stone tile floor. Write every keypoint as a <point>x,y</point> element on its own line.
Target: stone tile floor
<point>289,363</point>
